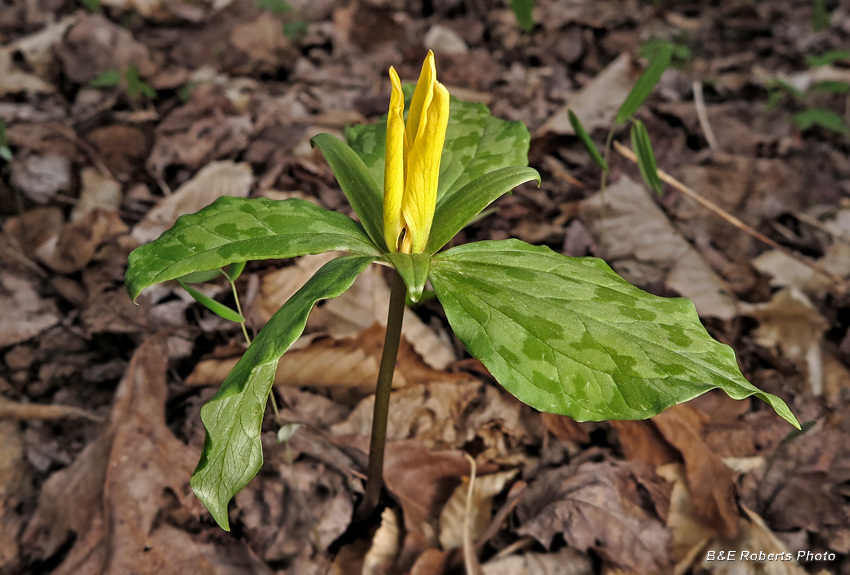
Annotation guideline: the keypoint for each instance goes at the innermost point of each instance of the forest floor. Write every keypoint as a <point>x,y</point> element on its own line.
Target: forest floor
<point>120,115</point>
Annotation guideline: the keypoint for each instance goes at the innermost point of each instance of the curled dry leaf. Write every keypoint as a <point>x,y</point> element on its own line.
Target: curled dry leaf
<point>641,244</point>
<point>95,45</point>
<point>598,506</point>
<point>385,545</point>
<point>25,313</point>
<point>792,324</point>
<point>453,516</point>
<point>567,561</point>
<point>711,482</point>
<point>74,247</point>
<point>212,182</point>
<point>596,104</point>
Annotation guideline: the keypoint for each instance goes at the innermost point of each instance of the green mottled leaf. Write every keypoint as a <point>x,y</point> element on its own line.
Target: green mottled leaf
<point>645,84</point>
<point>459,209</point>
<point>216,307</point>
<point>570,336</point>
<point>646,159</point>
<point>813,117</point>
<point>523,10</point>
<point>476,143</point>
<point>233,417</point>
<point>584,137</point>
<point>359,187</point>
<point>413,269</point>
<point>232,230</point>
<point>235,270</point>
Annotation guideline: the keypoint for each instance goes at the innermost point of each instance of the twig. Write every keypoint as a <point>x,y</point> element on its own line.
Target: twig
<point>702,114</point>
<point>470,559</point>
<point>14,410</point>
<point>629,155</point>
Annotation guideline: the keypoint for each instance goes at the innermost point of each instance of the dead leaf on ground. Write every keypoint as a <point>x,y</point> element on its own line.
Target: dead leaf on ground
<point>15,487</point>
<point>113,495</point>
<point>567,561</point>
<point>385,545</point>
<point>453,517</point>
<point>95,45</point>
<point>711,482</point>
<point>97,191</point>
<point>208,127</point>
<point>212,182</point>
<point>641,244</point>
<point>37,49</point>
<point>346,316</point>
<point>598,506</point>
<point>596,104</point>
<point>789,322</point>
<point>76,245</point>
<point>25,313</point>
<point>13,80</point>
<point>41,177</point>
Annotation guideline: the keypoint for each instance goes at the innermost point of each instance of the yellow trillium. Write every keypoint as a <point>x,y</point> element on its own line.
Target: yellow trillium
<point>413,160</point>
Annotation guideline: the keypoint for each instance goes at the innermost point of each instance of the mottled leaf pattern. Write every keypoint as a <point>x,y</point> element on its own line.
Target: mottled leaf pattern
<point>236,230</point>
<point>233,418</point>
<point>476,143</point>
<point>570,336</point>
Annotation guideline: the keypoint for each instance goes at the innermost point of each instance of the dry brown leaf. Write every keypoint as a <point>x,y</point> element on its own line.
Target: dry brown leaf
<point>115,491</point>
<point>37,49</point>
<point>95,45</point>
<point>74,247</point>
<point>15,487</point>
<point>207,128</point>
<point>359,308</point>
<point>14,80</point>
<point>40,178</point>
<point>597,506</point>
<point>640,243</point>
<point>122,149</point>
<point>15,410</point>
<point>567,561</point>
<point>385,545</point>
<point>98,191</point>
<point>453,516</point>
<point>212,182</point>
<point>710,481</point>
<point>326,362</point>
<point>790,323</point>
<point>596,104</point>
<point>264,44</point>
<point>565,428</point>
<point>785,271</point>
<point>641,441</point>
<point>25,313</point>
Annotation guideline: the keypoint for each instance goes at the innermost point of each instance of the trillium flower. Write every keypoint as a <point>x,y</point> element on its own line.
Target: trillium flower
<point>413,154</point>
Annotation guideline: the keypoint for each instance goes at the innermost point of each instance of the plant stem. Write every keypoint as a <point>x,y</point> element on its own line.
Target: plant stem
<point>374,481</point>
<point>248,339</point>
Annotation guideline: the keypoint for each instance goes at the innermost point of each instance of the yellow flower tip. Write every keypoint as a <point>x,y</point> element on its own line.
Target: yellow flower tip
<point>412,159</point>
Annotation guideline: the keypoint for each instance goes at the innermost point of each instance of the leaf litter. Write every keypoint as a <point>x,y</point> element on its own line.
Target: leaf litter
<point>239,89</point>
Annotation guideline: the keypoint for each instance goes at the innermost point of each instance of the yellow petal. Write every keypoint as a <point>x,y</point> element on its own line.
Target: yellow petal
<point>395,166</point>
<point>420,190</point>
<point>421,99</point>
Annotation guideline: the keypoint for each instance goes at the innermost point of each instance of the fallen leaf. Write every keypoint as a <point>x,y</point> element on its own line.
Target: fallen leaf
<point>97,192</point>
<point>596,104</point>
<point>37,49</point>
<point>641,441</point>
<point>643,246</point>
<point>122,149</point>
<point>13,80</point>
<point>41,177</point>
<point>385,545</point>
<point>565,428</point>
<point>15,488</point>
<point>566,561</point>
<point>95,45</point>
<point>453,516</point>
<point>597,506</point>
<point>75,246</point>
<point>112,496</point>
<point>710,481</point>
<point>15,410</point>
<point>25,313</point>
<point>789,322</point>
<point>785,271</point>
<point>212,182</point>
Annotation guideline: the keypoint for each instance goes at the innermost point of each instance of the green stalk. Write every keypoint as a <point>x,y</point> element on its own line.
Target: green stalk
<point>374,481</point>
